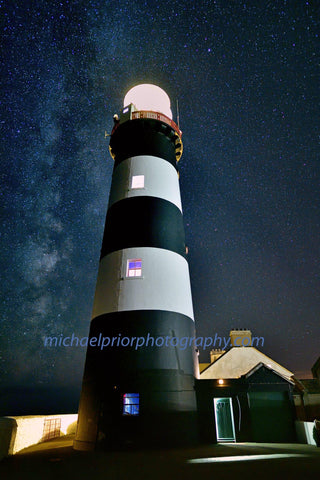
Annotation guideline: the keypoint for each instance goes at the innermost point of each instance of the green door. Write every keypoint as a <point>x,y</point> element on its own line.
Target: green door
<point>271,417</point>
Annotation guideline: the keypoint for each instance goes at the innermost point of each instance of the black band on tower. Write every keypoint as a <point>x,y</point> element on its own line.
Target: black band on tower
<point>144,137</point>
<point>143,222</point>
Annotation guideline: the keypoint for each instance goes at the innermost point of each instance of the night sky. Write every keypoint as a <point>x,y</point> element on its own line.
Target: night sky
<point>246,76</point>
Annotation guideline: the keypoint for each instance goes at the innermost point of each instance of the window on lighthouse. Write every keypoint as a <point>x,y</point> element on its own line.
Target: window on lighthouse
<point>130,404</point>
<point>137,181</point>
<point>134,267</point>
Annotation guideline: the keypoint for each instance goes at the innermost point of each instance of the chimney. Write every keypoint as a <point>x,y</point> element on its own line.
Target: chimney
<point>215,354</point>
<point>241,337</point>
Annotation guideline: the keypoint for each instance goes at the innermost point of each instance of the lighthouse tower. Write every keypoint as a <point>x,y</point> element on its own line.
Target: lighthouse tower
<point>138,384</point>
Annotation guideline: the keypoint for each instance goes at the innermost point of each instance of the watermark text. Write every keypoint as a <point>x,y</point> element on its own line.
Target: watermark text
<point>182,343</point>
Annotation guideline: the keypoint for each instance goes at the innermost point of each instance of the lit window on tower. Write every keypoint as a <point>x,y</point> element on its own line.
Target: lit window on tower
<point>130,404</point>
<point>137,181</point>
<point>134,268</point>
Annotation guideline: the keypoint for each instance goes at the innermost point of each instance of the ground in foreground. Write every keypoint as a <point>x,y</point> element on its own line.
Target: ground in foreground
<point>57,460</point>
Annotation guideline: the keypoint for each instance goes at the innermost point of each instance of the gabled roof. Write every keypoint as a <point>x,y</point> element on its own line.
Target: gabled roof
<point>239,361</point>
<point>263,365</point>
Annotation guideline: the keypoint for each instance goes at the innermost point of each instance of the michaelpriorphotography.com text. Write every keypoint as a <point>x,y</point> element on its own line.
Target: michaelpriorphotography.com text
<point>182,343</point>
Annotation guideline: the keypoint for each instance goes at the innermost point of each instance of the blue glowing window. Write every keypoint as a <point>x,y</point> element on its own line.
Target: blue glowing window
<point>134,267</point>
<point>130,404</point>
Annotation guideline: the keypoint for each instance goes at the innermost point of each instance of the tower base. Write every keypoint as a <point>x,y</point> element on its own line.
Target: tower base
<point>161,378</point>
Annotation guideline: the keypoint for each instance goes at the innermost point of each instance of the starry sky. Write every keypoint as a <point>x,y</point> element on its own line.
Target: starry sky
<point>246,75</point>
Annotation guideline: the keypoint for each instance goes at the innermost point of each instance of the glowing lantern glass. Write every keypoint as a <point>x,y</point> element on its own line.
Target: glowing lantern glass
<point>149,97</point>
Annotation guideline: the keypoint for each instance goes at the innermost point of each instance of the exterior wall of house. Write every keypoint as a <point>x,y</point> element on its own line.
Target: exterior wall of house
<point>263,408</point>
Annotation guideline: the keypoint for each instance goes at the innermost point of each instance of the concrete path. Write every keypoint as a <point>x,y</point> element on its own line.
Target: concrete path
<point>57,460</point>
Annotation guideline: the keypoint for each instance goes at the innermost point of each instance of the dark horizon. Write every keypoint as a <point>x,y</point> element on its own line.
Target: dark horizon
<point>39,400</point>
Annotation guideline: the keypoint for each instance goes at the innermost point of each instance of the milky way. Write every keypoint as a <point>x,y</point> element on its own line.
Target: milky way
<point>246,76</point>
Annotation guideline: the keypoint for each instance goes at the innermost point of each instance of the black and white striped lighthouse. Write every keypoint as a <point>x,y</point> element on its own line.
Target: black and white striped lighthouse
<point>138,385</point>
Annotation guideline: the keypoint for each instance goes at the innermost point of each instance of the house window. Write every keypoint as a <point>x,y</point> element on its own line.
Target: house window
<point>137,181</point>
<point>130,404</point>
<point>51,428</point>
<point>134,268</point>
